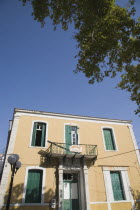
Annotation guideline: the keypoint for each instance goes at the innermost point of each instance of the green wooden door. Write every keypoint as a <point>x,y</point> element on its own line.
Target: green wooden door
<point>71,137</point>
<point>70,193</point>
<point>34,187</point>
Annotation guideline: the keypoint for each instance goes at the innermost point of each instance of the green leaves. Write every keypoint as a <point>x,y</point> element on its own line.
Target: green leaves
<point>107,35</point>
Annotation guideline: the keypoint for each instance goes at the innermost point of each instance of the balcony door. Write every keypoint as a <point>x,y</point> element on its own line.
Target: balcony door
<point>71,136</point>
<point>70,191</point>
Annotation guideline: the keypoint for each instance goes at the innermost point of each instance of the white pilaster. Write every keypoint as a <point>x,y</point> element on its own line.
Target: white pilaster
<point>60,171</point>
<point>108,186</point>
<point>135,143</point>
<point>6,170</point>
<point>85,170</point>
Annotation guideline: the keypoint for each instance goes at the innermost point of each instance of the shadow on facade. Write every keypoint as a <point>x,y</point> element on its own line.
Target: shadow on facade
<point>136,197</point>
<point>17,194</point>
<point>46,160</point>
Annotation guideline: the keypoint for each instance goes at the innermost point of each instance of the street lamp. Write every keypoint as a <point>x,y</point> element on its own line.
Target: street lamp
<point>15,165</point>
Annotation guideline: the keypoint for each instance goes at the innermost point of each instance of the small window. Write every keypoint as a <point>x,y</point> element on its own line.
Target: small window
<point>34,186</point>
<point>117,185</point>
<point>39,134</point>
<point>109,139</point>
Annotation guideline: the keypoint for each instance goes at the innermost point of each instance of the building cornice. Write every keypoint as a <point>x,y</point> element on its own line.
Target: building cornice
<point>79,117</point>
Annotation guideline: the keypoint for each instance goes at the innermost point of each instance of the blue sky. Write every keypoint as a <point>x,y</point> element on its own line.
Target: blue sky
<point>36,72</point>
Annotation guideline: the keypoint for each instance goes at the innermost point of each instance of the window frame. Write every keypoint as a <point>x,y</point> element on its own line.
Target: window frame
<point>71,124</point>
<point>26,180</point>
<point>114,138</point>
<point>125,184</point>
<point>46,134</point>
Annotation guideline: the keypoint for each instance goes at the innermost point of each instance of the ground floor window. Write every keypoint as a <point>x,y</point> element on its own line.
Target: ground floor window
<point>117,185</point>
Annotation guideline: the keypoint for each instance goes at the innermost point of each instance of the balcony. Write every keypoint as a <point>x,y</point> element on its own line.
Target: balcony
<point>87,151</point>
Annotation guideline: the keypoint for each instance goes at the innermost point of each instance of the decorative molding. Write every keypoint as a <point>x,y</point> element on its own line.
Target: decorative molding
<point>70,117</point>
<point>72,164</point>
<point>114,168</point>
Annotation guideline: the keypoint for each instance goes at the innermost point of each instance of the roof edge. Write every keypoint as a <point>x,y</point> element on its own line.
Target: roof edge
<point>70,116</point>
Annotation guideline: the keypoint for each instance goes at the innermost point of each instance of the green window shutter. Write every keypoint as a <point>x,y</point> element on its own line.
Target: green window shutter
<point>76,135</point>
<point>34,186</point>
<point>43,135</point>
<point>109,140</point>
<point>117,186</point>
<point>68,137</point>
<point>68,134</point>
<point>34,134</point>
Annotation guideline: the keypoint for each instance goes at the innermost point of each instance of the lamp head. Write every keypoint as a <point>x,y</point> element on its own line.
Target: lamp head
<point>16,156</point>
<point>13,159</point>
<point>18,165</point>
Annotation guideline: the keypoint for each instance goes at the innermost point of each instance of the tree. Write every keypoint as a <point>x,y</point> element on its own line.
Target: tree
<point>107,34</point>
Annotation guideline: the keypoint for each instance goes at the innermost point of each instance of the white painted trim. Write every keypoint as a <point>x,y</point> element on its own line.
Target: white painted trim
<point>73,117</point>
<point>29,204</point>
<point>85,172</point>
<point>125,185</point>
<point>81,182</point>
<point>114,168</point>
<point>107,187</point>
<point>46,135</point>
<point>43,183</point>
<point>125,182</point>
<point>105,202</point>
<point>72,124</point>
<point>7,168</point>
<point>99,202</point>
<point>134,143</point>
<point>114,138</point>
<point>129,189</point>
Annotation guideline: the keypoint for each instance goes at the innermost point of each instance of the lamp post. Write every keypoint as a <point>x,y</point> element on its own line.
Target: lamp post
<point>15,165</point>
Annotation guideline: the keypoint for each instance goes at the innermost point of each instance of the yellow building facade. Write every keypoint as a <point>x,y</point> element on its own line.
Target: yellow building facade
<point>72,162</point>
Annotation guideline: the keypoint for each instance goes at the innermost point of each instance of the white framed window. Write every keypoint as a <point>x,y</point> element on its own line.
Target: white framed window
<point>117,184</point>
<point>39,134</point>
<point>34,185</point>
<point>109,139</point>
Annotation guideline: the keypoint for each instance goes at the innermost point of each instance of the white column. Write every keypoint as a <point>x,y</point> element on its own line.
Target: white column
<point>85,170</point>
<point>60,171</point>
<point>6,170</point>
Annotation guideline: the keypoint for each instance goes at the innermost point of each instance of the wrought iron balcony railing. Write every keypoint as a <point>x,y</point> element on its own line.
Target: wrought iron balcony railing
<point>61,149</point>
